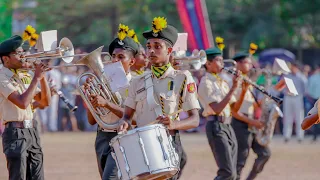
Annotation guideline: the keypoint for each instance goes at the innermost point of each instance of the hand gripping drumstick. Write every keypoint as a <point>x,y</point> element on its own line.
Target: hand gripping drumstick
<point>172,114</point>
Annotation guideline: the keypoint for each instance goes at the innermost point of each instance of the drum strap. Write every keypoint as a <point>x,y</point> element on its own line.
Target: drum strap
<point>153,105</point>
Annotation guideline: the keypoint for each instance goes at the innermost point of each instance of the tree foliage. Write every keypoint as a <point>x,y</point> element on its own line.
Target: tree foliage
<point>269,23</point>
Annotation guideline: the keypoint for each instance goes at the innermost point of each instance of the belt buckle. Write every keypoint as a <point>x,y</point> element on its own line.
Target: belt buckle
<point>27,124</point>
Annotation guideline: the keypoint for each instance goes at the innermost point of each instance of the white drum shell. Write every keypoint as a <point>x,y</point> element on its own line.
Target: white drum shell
<point>143,156</point>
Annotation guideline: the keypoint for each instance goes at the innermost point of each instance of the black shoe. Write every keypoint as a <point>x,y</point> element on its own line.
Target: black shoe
<point>286,140</point>
<point>299,141</point>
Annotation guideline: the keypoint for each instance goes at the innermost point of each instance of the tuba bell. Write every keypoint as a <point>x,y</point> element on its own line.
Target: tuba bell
<point>98,86</point>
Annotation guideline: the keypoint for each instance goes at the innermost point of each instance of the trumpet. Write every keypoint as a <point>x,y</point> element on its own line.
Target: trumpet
<point>65,51</point>
<point>196,60</point>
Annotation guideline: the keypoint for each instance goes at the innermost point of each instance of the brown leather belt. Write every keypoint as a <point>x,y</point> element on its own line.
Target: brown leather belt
<point>21,124</point>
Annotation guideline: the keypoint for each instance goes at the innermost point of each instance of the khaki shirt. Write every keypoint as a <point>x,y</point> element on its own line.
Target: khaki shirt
<point>214,89</point>
<point>247,106</point>
<point>111,117</point>
<point>168,88</point>
<point>10,82</point>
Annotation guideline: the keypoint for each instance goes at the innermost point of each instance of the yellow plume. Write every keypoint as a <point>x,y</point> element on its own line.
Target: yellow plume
<point>158,24</point>
<point>220,44</point>
<point>33,39</point>
<point>253,48</point>
<point>123,31</point>
<point>133,35</point>
<point>28,32</point>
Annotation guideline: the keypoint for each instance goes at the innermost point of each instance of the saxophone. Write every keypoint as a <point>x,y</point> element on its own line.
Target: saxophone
<point>269,116</point>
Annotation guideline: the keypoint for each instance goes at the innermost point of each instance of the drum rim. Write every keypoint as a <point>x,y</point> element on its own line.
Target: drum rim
<point>168,169</point>
<point>140,129</point>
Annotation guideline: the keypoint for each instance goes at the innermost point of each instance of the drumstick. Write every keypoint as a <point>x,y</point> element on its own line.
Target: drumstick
<point>172,114</point>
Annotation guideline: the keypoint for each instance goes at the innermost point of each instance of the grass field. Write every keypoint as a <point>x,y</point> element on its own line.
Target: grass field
<point>71,156</point>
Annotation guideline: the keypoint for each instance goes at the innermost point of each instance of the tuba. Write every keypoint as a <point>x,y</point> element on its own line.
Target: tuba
<point>98,86</point>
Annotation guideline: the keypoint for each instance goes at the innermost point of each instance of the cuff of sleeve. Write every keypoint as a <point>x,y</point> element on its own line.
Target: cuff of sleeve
<point>130,103</point>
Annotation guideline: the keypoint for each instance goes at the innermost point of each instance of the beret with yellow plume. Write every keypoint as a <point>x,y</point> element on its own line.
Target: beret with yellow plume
<point>241,55</point>
<point>123,40</point>
<point>28,39</point>
<point>161,30</point>
<point>216,51</point>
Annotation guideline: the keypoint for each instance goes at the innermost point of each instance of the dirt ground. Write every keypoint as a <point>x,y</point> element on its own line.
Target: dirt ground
<point>71,156</point>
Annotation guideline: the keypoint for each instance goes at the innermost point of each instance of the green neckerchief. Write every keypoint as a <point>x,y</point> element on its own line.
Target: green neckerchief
<point>159,71</point>
<point>22,75</point>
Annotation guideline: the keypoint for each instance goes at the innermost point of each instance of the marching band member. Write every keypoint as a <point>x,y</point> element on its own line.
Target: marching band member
<point>141,63</point>
<point>313,117</point>
<point>166,89</point>
<point>244,120</point>
<point>18,90</point>
<point>217,99</point>
<point>124,49</point>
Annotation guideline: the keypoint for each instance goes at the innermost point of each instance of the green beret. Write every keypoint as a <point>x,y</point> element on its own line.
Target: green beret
<point>11,44</point>
<point>127,43</point>
<point>212,53</point>
<point>240,56</point>
<point>169,34</point>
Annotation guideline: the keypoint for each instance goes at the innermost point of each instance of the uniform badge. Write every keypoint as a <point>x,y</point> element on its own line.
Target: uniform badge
<point>120,43</point>
<point>191,87</point>
<point>155,34</point>
<point>141,90</point>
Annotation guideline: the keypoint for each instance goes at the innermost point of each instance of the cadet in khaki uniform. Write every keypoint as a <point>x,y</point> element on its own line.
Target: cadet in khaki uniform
<point>217,100</point>
<point>170,89</point>
<point>122,49</point>
<point>313,117</point>
<point>18,90</point>
<point>242,123</point>
<point>141,63</point>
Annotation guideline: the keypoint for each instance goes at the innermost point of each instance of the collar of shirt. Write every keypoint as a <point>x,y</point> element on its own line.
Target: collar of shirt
<point>169,72</point>
<point>129,76</point>
<point>214,77</point>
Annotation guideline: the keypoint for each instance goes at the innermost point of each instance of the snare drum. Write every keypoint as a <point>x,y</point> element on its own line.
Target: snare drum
<point>145,153</point>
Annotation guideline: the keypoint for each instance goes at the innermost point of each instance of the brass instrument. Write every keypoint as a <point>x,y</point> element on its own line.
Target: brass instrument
<point>65,51</point>
<point>196,60</point>
<point>270,109</point>
<point>98,86</point>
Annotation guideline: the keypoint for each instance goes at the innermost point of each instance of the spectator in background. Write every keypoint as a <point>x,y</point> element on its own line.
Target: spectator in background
<point>293,107</point>
<point>313,94</point>
<point>49,115</point>
<point>65,115</point>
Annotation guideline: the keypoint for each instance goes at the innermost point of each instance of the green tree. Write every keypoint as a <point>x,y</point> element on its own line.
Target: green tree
<point>5,18</point>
